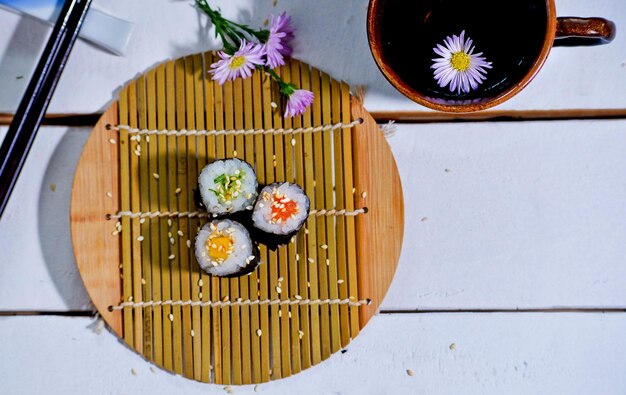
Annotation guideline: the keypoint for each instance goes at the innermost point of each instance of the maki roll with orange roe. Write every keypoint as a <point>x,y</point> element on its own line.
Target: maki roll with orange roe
<point>281,209</point>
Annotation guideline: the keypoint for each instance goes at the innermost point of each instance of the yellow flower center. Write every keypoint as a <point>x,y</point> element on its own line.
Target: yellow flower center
<point>460,61</point>
<point>237,62</point>
<point>220,246</point>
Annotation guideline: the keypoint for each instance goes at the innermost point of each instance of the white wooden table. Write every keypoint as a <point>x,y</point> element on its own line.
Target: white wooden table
<point>512,278</point>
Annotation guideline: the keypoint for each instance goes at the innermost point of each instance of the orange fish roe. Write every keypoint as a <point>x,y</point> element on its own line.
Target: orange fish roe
<point>283,208</point>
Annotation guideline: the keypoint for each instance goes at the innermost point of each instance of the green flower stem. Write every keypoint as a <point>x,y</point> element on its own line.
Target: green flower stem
<point>230,32</point>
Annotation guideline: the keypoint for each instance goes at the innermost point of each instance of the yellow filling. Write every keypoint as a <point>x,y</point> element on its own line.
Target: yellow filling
<point>237,61</point>
<point>219,246</point>
<point>460,61</point>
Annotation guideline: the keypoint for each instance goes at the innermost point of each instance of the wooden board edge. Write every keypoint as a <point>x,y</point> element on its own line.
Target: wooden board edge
<point>96,250</point>
<point>380,231</point>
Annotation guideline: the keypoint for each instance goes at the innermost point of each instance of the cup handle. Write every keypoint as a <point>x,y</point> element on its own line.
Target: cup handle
<point>573,31</point>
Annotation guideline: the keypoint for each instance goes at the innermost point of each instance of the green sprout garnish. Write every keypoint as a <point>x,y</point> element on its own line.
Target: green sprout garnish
<point>227,186</point>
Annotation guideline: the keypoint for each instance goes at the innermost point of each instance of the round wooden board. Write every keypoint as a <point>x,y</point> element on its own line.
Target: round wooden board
<point>333,260</point>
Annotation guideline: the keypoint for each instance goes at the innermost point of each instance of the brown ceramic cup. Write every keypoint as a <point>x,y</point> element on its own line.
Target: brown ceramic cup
<point>516,36</point>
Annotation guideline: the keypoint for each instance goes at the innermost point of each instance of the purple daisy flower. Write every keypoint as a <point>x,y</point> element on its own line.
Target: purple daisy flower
<point>458,65</point>
<point>298,102</point>
<point>240,64</point>
<point>277,46</point>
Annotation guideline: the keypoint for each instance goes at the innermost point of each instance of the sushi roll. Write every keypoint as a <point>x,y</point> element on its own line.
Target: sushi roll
<point>227,186</point>
<point>224,248</point>
<point>281,209</point>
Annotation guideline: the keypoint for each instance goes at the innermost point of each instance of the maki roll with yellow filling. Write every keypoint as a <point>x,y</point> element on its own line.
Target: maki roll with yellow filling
<point>227,186</point>
<point>281,209</point>
<point>224,248</point>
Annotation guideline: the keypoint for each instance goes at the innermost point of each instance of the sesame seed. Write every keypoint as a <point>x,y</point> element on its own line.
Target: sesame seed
<point>115,233</point>
<point>152,369</point>
<point>200,295</point>
<point>142,220</point>
<point>155,175</point>
<point>327,262</point>
<point>300,334</point>
<point>189,246</point>
<point>340,281</point>
<point>134,372</point>
<point>259,332</point>
<point>193,333</point>
<point>311,260</point>
<point>143,281</point>
<point>147,139</point>
<point>297,257</point>
<point>289,313</point>
<point>278,290</point>
<point>235,153</point>
<point>298,297</point>
<point>171,257</point>
<point>453,346</point>
<point>274,105</point>
<point>171,316</point>
<point>293,239</point>
<point>137,153</point>
<point>112,141</point>
<point>324,246</point>
<point>140,238</point>
<point>180,233</point>
<point>306,231</point>
<point>169,222</point>
<point>410,372</point>
<point>280,279</point>
<point>130,298</point>
<point>200,283</point>
<point>280,313</point>
<point>109,195</point>
<point>293,142</point>
<point>225,298</point>
<point>178,190</point>
<point>364,195</point>
<point>249,207</point>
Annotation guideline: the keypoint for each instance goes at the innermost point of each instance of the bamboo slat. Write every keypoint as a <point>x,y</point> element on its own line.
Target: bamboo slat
<point>332,257</point>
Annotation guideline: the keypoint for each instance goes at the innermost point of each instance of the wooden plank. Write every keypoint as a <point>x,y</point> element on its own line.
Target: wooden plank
<point>156,234</point>
<point>164,265</point>
<point>102,276</point>
<point>340,197</point>
<point>143,279</point>
<point>173,256</point>
<point>310,227</point>
<point>492,353</point>
<point>191,179</point>
<point>301,287</point>
<point>349,193</point>
<point>135,225</point>
<point>329,201</point>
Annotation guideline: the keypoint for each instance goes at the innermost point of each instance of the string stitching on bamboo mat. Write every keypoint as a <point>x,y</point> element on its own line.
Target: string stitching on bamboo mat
<point>247,302</point>
<point>279,131</point>
<point>199,214</point>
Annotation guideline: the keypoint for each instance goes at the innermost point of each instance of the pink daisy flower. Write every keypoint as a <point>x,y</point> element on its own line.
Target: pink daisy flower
<point>458,65</point>
<point>298,102</point>
<point>277,46</point>
<point>240,64</point>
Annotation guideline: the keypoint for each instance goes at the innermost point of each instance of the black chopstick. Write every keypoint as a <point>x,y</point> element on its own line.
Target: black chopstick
<point>32,108</point>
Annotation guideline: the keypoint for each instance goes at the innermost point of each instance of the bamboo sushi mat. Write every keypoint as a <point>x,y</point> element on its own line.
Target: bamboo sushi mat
<point>134,221</point>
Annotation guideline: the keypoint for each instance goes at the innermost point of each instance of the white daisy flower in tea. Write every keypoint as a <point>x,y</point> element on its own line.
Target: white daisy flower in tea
<point>459,67</point>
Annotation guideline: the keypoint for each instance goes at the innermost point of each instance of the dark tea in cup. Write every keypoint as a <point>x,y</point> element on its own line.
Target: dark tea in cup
<point>514,36</point>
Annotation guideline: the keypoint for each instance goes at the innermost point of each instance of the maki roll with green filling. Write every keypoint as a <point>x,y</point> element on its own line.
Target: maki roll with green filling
<point>227,186</point>
<point>224,248</point>
<point>281,209</point>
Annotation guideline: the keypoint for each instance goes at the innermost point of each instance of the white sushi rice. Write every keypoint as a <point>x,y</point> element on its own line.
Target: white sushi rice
<point>262,216</point>
<point>242,184</point>
<point>242,253</point>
